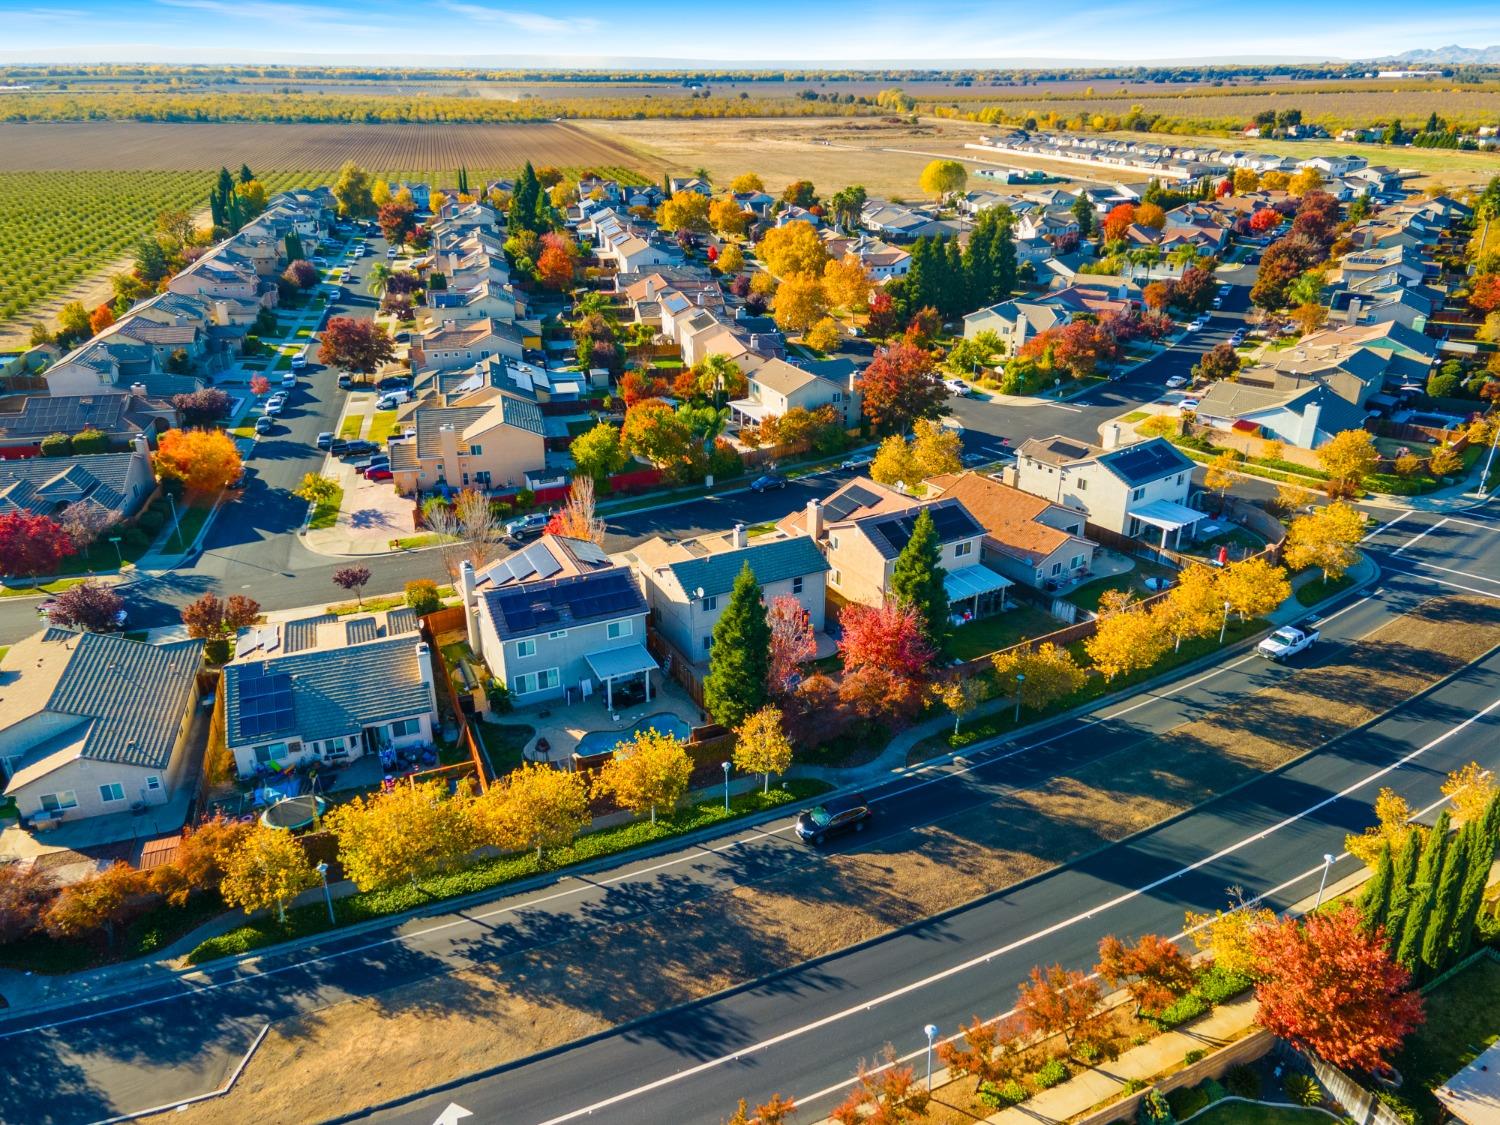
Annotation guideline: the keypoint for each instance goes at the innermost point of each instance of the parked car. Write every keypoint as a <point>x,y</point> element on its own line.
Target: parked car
<point>1201,322</point>
<point>265,424</point>
<point>325,440</point>
<point>527,525</point>
<point>958,387</point>
<point>375,460</point>
<point>299,361</point>
<point>1286,642</point>
<point>392,399</point>
<point>392,252</point>
<point>346,381</point>
<point>289,380</point>
<point>835,815</point>
<point>339,447</point>
<point>1238,337</point>
<point>402,337</point>
<point>858,461</point>
<point>768,482</point>
<point>379,472</point>
<point>1177,381</point>
<point>1188,404</point>
<point>394,383</point>
<point>359,447</point>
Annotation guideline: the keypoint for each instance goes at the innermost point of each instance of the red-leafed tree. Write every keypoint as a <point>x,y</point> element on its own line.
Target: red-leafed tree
<point>1154,970</point>
<point>32,544</point>
<point>1333,989</point>
<point>353,578</point>
<point>300,274</point>
<point>792,643</point>
<point>889,1094</point>
<point>900,385</point>
<point>1266,219</point>
<point>888,661</point>
<point>91,606</point>
<point>25,893</point>
<point>1317,216</point>
<point>1157,295</point>
<point>101,318</point>
<point>882,320</point>
<point>1081,347</point>
<point>203,408</point>
<point>1195,290</point>
<point>259,385</point>
<point>355,345</point>
<point>1117,221</point>
<point>1484,293</point>
<point>635,387</point>
<point>554,267</point>
<point>1058,1001</point>
<point>990,1051</point>
<point>397,220</point>
<point>211,616</point>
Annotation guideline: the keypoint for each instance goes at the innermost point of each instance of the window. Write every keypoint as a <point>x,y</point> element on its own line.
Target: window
<point>710,603</point>
<point>114,791</point>
<point>1057,568</point>
<point>617,629</point>
<point>1083,484</point>
<point>476,451</point>
<point>482,476</point>
<point>797,584</point>
<point>1077,563</point>
<point>962,549</point>
<point>57,802</point>
<point>403,727</point>
<point>833,541</point>
<point>835,577</point>
<point>1180,477</point>
<point>1138,493</point>
<point>535,681</point>
<point>557,635</point>
<point>153,783</point>
<point>526,648</point>
<point>708,641</point>
<point>270,752</point>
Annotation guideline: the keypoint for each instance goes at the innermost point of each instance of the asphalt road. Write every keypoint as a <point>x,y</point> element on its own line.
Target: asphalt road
<point>157,1043</point>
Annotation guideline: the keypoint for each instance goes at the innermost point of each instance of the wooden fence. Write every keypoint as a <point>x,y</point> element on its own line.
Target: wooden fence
<point>446,620</point>
<point>1363,1107</point>
<point>675,664</point>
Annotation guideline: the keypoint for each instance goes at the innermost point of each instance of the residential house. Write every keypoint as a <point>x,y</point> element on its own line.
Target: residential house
<point>1124,489</point>
<point>690,183</point>
<point>120,416</point>
<point>687,582</point>
<point>93,723</point>
<point>1028,539</point>
<point>1307,415</point>
<point>119,483</point>
<point>1016,321</point>
<point>777,386</point>
<point>560,620</point>
<point>454,344</point>
<point>348,693</point>
<point>491,445</point>
<point>892,220</point>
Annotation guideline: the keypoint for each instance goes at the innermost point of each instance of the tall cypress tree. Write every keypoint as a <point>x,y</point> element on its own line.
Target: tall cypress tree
<point>1375,901</point>
<point>523,202</point>
<point>1437,938</point>
<point>1478,859</point>
<point>954,290</point>
<point>979,264</point>
<point>739,659</point>
<point>245,174</point>
<point>1404,873</point>
<point>294,251</point>
<point>1435,851</point>
<point>1083,212</point>
<point>919,277</point>
<point>1414,925</point>
<point>1492,814</point>
<point>917,578</point>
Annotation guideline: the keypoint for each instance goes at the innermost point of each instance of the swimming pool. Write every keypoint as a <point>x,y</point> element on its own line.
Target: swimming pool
<point>603,741</point>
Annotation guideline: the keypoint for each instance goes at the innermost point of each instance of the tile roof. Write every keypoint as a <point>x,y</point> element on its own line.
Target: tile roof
<point>775,560</point>
<point>1009,515</point>
<point>334,691</point>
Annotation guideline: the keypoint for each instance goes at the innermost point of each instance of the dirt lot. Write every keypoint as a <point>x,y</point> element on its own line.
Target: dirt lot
<point>831,152</point>
<point>506,1007</point>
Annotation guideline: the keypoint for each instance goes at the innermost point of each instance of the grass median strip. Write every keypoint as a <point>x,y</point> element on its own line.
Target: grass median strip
<point>654,944</point>
<point>325,513</point>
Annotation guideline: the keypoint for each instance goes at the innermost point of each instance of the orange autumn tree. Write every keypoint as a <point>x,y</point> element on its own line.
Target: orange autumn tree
<point>203,460</point>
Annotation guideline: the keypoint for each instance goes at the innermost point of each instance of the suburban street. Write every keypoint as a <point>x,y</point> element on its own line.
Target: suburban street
<point>804,1031</point>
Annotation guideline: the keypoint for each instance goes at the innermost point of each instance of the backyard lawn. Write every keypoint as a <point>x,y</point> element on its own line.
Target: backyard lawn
<point>1087,596</point>
<point>503,743</point>
<point>991,634</point>
<point>1257,1113</point>
<point>1463,1019</point>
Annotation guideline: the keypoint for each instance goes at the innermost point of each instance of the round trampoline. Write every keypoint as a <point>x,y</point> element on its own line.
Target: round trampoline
<point>294,812</point>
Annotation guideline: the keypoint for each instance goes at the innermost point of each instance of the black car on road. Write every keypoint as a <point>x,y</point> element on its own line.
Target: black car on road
<point>837,814</point>
<point>768,482</point>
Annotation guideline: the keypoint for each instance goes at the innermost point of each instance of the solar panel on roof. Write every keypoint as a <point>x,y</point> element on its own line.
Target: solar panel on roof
<point>862,496</point>
<point>590,553</point>
<point>265,701</point>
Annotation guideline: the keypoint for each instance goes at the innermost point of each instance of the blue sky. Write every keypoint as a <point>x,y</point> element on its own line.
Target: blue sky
<point>428,31</point>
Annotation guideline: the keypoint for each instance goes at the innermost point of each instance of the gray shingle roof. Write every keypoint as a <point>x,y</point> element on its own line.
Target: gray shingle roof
<point>775,560</point>
<point>109,411</point>
<point>335,691</point>
<point>135,693</point>
<point>40,484</point>
<point>298,636</point>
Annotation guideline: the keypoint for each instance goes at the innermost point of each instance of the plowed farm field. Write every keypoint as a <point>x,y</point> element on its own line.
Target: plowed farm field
<point>383,149</point>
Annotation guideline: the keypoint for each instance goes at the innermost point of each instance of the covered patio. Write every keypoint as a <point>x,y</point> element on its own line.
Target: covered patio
<point>625,672</point>
<point>974,592</point>
<point>1171,517</point>
<point>747,412</point>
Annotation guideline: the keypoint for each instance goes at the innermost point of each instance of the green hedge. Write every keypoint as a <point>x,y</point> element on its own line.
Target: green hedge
<point>487,874</point>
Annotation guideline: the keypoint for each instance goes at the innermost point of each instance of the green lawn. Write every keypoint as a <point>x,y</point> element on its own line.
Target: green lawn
<point>326,513</point>
<point>382,422</point>
<point>351,425</point>
<point>991,634</point>
<point>1463,1019</point>
<point>1087,596</point>
<point>1255,1113</point>
<point>191,518</point>
<point>1313,592</point>
<point>243,433</point>
<point>503,743</point>
<point>56,586</point>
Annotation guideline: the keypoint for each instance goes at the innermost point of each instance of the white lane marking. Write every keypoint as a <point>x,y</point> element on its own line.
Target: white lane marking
<point>1471,523</point>
<point>1450,570</point>
<point>1385,526</point>
<point>1420,535</point>
<point>1056,927</point>
<point>1445,582</point>
<point>1060,406</point>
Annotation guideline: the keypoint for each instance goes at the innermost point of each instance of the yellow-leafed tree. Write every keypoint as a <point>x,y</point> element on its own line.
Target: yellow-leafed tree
<point>1325,538</point>
<point>800,302</point>
<point>1253,587</point>
<point>535,806</point>
<point>823,336</point>
<point>686,210</point>
<point>1126,642</point>
<point>1348,459</point>
<point>1050,674</point>
<point>1193,607</point>
<point>847,284</point>
<point>203,460</point>
<point>761,745</point>
<point>1227,935</point>
<point>1393,822</point>
<point>1471,789</point>
<point>648,773</point>
<point>267,868</point>
<point>387,839</point>
<point>727,217</point>
<point>794,248</point>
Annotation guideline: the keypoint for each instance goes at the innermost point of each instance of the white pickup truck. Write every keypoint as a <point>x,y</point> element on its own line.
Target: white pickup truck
<point>1286,642</point>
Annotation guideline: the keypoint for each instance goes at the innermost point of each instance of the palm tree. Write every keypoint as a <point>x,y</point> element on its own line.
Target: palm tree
<point>380,274</point>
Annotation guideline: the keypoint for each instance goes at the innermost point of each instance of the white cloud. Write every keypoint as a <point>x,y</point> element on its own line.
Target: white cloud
<point>524,21</point>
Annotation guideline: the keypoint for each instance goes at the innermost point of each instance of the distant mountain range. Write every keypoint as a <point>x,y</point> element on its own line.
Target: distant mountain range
<point>1450,55</point>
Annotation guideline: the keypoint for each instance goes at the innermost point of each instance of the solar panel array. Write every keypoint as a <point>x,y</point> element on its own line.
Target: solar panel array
<point>850,500</point>
<point>535,562</point>
<point>533,606</point>
<point>265,701</point>
<point>951,521</point>
<point>1144,462</point>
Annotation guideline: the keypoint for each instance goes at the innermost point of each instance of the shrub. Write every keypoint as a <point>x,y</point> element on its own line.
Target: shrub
<point>1086,1052</point>
<point>1000,1097</point>
<point>1187,1100</point>
<point>1181,1010</point>
<point>1399,1106</point>
<point>56,445</point>
<point>1132,1086</point>
<point>216,650</point>
<point>498,695</point>
<point>1302,1090</point>
<point>1215,985</point>
<point>152,520</point>
<point>1195,1055</point>
<point>1215,1092</point>
<point>1156,1110</point>
<point>1051,1073</point>
<point>422,596</point>
<point>134,539</point>
<point>525,499</point>
<point>1243,1082</point>
<point>91,441</point>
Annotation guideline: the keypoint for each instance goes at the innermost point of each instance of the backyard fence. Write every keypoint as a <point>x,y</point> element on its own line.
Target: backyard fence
<point>675,664</point>
<point>1363,1107</point>
<point>447,620</point>
<point>1215,1065</point>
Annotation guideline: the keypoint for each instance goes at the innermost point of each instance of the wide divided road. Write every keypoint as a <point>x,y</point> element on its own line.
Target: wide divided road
<point>162,1042</point>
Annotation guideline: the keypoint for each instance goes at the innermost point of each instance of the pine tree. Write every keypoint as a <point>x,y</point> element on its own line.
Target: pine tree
<point>1401,882</point>
<point>524,201</point>
<point>1478,860</point>
<point>1492,824</point>
<point>1414,925</point>
<point>1083,211</point>
<point>739,660</point>
<point>1375,901</point>
<point>920,279</point>
<point>294,251</point>
<point>917,578</point>
<point>1437,937</point>
<point>1435,851</point>
<point>245,174</point>
<point>954,289</point>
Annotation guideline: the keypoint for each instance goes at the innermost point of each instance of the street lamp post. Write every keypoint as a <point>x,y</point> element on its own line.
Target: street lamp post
<point>1489,459</point>
<point>322,870</point>
<point>1323,883</point>
<point>930,1031</point>
<point>1224,628</point>
<point>1020,679</point>
<point>726,785</point>
<point>176,523</point>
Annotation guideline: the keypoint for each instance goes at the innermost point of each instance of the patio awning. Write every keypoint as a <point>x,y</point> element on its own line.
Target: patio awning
<point>972,581</point>
<point>1167,514</point>
<point>751,409</point>
<point>612,663</point>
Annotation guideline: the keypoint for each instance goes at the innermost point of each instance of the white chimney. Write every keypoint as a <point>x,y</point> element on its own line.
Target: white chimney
<point>1112,436</point>
<point>424,667</point>
<point>815,519</point>
<point>737,536</point>
<point>138,389</point>
<point>141,445</point>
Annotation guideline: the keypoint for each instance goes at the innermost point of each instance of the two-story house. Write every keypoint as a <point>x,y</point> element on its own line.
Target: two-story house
<point>687,582</point>
<point>560,620</point>
<point>452,344</point>
<point>1015,322</point>
<point>776,386</point>
<point>1125,489</point>
<point>489,445</point>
